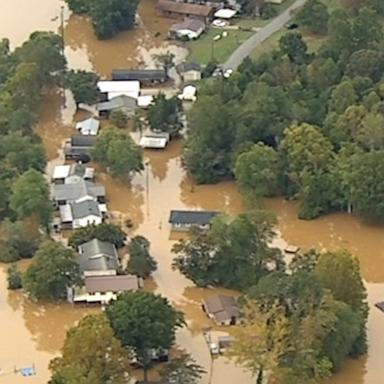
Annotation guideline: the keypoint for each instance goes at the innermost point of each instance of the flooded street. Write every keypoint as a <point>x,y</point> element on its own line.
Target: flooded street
<point>33,334</point>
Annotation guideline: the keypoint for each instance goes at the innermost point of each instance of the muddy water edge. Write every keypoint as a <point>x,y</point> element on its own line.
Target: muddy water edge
<point>32,333</point>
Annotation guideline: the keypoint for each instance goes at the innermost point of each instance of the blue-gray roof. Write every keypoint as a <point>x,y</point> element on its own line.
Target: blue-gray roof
<point>73,192</point>
<point>85,208</point>
<point>192,217</point>
<point>96,255</point>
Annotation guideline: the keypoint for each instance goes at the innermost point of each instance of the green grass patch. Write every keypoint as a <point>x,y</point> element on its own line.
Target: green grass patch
<point>256,22</point>
<point>268,45</point>
<point>205,48</point>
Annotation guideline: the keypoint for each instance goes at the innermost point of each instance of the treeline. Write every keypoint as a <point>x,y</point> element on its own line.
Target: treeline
<point>108,17</point>
<point>301,320</point>
<point>24,195</point>
<point>308,126</point>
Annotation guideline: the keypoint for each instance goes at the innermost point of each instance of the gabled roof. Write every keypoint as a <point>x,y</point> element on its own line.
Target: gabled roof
<point>115,283</point>
<point>115,88</point>
<point>222,308</point>
<point>184,8</point>
<point>118,102</point>
<point>85,208</point>
<point>185,67</point>
<point>193,25</point>
<point>96,255</point>
<point>74,192</point>
<point>89,126</point>
<point>61,172</point>
<point>192,217</point>
<point>139,74</point>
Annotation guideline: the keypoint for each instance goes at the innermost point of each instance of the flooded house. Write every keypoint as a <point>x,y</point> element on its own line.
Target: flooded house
<point>223,310</point>
<point>88,126</point>
<point>81,214</point>
<point>190,29</point>
<point>72,174</point>
<point>169,8</point>
<point>98,258</point>
<point>124,103</point>
<point>83,190</point>
<point>185,220</point>
<point>154,140</point>
<point>144,76</point>
<point>79,147</point>
<point>102,289</point>
<point>112,89</point>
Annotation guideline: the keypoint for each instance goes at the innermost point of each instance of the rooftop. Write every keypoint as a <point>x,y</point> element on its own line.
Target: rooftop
<point>190,24</point>
<point>96,255</point>
<point>121,101</point>
<point>116,88</point>
<point>89,126</point>
<point>185,67</point>
<point>192,217</point>
<point>222,308</point>
<point>119,283</point>
<point>85,208</point>
<point>184,8</point>
<point>74,192</point>
<point>139,74</point>
<point>83,141</point>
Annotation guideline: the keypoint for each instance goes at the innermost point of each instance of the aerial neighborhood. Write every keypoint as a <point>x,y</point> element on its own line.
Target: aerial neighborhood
<point>191,192</point>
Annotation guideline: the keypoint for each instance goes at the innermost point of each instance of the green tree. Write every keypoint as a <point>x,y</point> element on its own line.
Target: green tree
<point>367,187</point>
<point>339,272</point>
<point>166,60</point>
<point>103,232</point>
<point>366,63</point>
<point>342,96</point>
<point>83,86</point>
<point>182,369</point>
<point>14,277</point>
<point>117,151</point>
<point>240,246</point>
<point>7,253</point>
<point>46,51</point>
<point>164,115</point>
<point>257,171</point>
<point>103,359</point>
<point>78,6</point>
<point>140,263</point>
<point>293,45</point>
<point>144,321</point>
<point>118,118</point>
<point>30,197</point>
<point>314,16</point>
<point>53,269</point>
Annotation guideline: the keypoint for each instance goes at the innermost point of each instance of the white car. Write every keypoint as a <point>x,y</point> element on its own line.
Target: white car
<point>227,73</point>
<point>214,348</point>
<point>219,23</point>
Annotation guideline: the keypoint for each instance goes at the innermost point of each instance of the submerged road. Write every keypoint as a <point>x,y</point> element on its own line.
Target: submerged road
<point>263,34</point>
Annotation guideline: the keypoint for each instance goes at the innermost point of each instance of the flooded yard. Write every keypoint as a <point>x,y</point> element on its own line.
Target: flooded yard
<point>33,333</point>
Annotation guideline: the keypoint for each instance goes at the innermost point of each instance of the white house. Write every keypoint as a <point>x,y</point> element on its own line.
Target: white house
<point>103,289</point>
<point>189,28</point>
<point>112,89</point>
<point>72,174</point>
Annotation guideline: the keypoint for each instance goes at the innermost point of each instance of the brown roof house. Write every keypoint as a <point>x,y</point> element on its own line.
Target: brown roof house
<point>103,289</point>
<point>189,29</point>
<point>223,310</point>
<point>170,8</point>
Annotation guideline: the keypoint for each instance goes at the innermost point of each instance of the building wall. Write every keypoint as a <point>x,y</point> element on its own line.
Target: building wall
<point>109,272</point>
<point>83,222</point>
<point>191,76</point>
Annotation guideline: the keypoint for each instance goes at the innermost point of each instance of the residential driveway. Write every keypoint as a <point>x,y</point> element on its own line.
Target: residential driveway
<point>249,45</point>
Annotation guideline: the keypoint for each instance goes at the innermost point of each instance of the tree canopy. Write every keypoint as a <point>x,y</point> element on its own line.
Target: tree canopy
<point>83,86</point>
<point>144,321</point>
<point>53,269</point>
<point>91,354</point>
<point>140,263</point>
<point>117,151</point>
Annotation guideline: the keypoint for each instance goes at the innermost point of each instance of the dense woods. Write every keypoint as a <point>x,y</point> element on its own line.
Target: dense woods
<point>308,126</point>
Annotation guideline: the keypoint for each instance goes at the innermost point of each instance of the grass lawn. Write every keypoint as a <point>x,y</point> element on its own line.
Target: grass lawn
<point>201,50</point>
<point>268,45</point>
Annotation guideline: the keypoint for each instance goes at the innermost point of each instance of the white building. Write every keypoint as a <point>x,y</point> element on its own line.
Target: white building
<point>118,88</point>
<point>88,126</point>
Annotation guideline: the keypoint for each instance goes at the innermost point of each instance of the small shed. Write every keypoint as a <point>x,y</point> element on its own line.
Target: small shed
<point>89,126</point>
<point>189,71</point>
<point>225,13</point>
<point>189,93</point>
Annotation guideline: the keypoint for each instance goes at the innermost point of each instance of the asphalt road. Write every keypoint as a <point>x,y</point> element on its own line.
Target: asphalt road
<point>264,33</point>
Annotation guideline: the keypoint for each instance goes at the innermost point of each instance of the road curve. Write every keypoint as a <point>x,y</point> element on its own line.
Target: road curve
<point>249,45</point>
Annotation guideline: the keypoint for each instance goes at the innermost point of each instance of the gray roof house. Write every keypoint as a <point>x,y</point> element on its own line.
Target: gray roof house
<point>71,174</point>
<point>82,190</point>
<point>81,214</point>
<point>184,220</point>
<point>88,126</point>
<point>146,76</point>
<point>124,103</point>
<point>98,258</point>
<point>222,309</point>
<point>79,146</point>
<point>189,28</point>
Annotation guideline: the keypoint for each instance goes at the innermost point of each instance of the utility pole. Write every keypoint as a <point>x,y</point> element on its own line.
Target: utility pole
<point>62,29</point>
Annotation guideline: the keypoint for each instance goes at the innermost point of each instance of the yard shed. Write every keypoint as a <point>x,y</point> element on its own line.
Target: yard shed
<point>189,71</point>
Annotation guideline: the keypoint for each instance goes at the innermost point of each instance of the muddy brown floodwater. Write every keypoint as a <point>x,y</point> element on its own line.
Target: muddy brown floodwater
<point>33,333</point>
